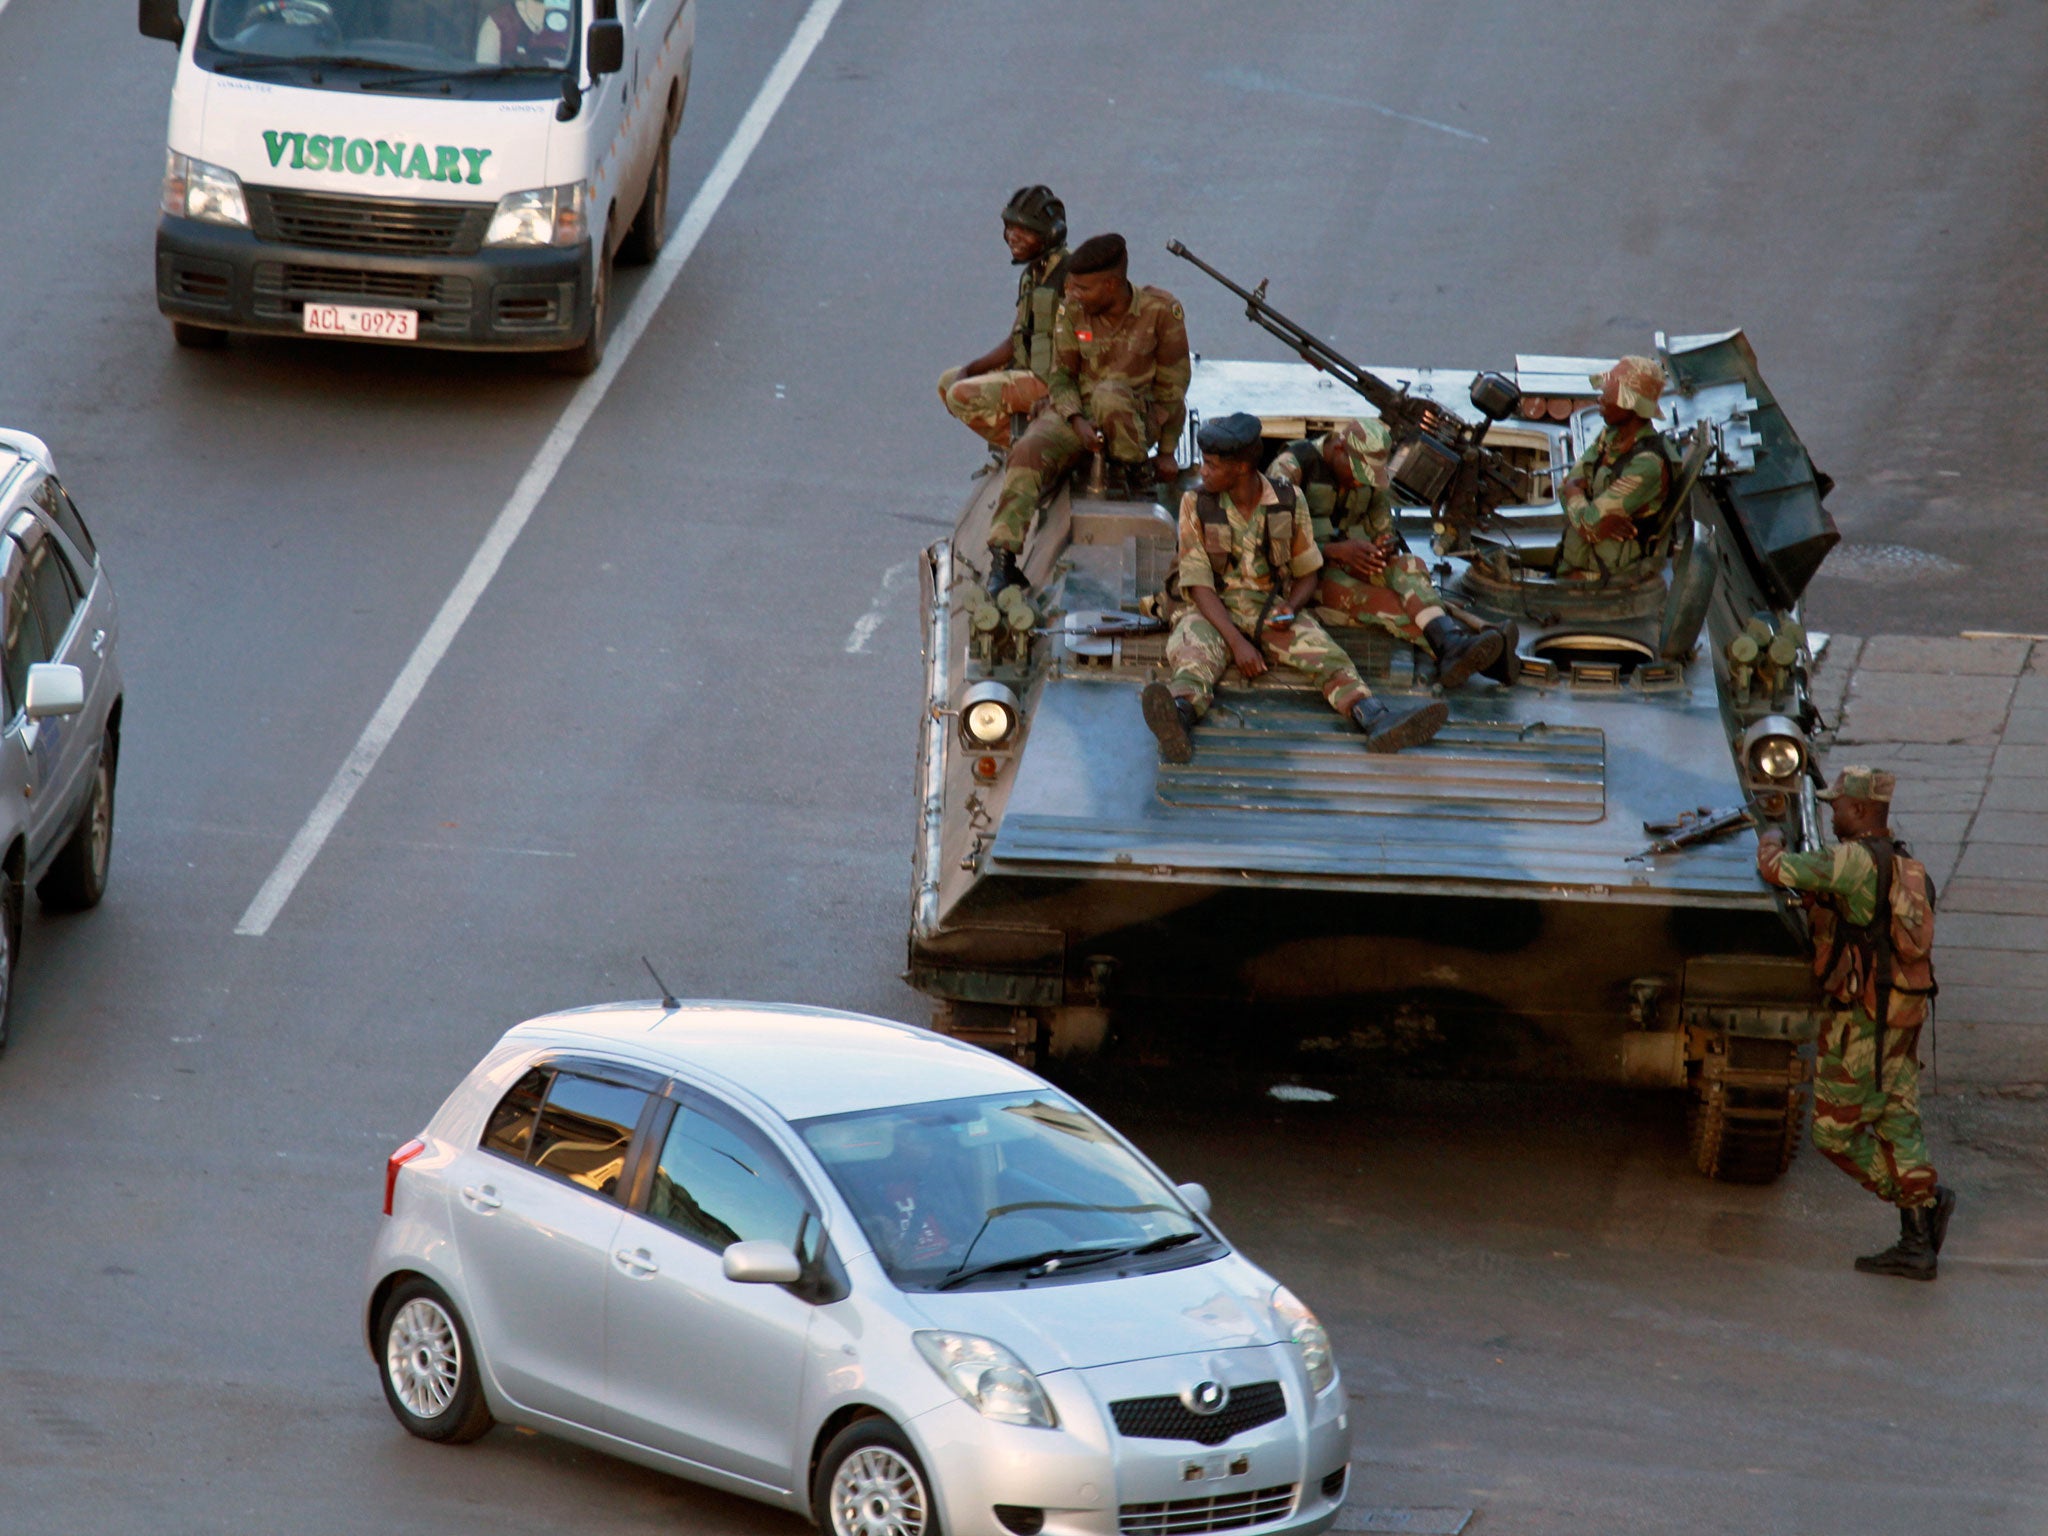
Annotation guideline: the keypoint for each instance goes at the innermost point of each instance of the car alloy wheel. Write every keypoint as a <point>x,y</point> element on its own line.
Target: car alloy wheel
<point>430,1369</point>
<point>877,1492</point>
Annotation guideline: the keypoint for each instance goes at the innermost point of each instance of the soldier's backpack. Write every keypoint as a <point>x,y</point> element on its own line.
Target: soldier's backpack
<point>1894,951</point>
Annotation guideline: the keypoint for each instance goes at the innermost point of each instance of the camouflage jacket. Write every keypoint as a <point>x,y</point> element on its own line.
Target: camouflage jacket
<point>1041,288</point>
<point>1146,350</point>
<point>1364,514</point>
<point>1844,877</point>
<point>1620,477</point>
<point>1231,557</point>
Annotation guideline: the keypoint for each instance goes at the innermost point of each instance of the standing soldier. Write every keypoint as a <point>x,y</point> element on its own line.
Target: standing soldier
<point>1621,479</point>
<point>1872,911</point>
<point>1368,575</point>
<point>1248,561</point>
<point>1119,388</point>
<point>1011,378</point>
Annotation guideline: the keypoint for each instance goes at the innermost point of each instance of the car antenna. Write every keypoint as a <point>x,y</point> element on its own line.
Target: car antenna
<point>668,999</point>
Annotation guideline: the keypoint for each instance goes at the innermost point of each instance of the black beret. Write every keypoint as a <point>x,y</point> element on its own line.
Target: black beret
<point>1232,435</point>
<point>1098,253</point>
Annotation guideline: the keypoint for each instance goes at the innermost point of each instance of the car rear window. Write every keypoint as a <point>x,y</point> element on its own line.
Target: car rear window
<point>584,1130</point>
<point>510,1128</point>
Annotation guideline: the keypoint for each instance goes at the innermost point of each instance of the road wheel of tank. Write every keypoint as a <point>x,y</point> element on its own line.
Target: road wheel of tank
<point>581,361</point>
<point>1747,1112</point>
<point>77,879</point>
<point>431,1381</point>
<point>649,233</point>
<point>200,337</point>
<point>871,1483</point>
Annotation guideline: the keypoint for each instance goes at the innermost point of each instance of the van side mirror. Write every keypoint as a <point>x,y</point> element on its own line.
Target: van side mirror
<point>54,688</point>
<point>160,18</point>
<point>762,1262</point>
<point>1196,1195</point>
<point>605,48</point>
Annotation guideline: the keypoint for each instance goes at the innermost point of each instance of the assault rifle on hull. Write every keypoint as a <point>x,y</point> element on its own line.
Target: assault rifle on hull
<point>1440,460</point>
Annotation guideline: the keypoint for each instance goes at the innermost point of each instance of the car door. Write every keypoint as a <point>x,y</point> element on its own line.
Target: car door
<point>35,746</point>
<point>697,1365</point>
<point>72,747</point>
<point>535,1208</point>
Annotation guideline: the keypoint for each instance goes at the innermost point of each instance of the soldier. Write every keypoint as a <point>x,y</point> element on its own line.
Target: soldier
<point>1368,575</point>
<point>1622,478</point>
<point>1011,378</point>
<point>1119,388</point>
<point>1873,929</point>
<point>1242,536</point>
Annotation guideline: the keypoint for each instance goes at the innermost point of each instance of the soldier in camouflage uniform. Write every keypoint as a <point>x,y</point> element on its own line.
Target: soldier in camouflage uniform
<point>1369,577</point>
<point>1866,1085</point>
<point>1239,536</point>
<point>1119,387</point>
<point>1012,378</point>
<point>1620,480</point>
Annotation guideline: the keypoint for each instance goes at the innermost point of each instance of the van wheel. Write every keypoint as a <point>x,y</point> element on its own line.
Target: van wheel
<point>430,1373</point>
<point>78,878</point>
<point>649,233</point>
<point>200,337</point>
<point>10,948</point>
<point>870,1483</point>
<point>581,361</point>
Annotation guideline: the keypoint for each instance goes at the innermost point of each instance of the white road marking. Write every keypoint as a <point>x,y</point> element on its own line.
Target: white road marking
<point>1252,80</point>
<point>865,626</point>
<point>533,485</point>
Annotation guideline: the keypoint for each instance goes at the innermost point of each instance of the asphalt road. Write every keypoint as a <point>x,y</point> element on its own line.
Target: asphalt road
<point>652,738</point>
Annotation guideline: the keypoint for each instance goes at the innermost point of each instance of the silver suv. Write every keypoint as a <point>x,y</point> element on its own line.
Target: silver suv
<point>62,701</point>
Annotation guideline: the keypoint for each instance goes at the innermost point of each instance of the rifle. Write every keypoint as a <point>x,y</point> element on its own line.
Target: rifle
<point>1695,827</point>
<point>1440,460</point>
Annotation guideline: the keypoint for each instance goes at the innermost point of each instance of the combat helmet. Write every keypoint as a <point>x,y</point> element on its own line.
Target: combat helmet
<point>1036,209</point>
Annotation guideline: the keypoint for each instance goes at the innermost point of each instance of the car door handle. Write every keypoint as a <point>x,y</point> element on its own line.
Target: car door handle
<point>99,642</point>
<point>637,1262</point>
<point>484,1199</point>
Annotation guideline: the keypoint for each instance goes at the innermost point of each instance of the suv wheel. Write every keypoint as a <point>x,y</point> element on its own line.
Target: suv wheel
<point>430,1374</point>
<point>78,877</point>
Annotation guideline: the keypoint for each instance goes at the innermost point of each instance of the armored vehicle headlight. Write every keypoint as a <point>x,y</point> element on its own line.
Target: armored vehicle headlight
<point>539,216</point>
<point>987,1375</point>
<point>1317,1358</point>
<point>1774,749</point>
<point>210,193</point>
<point>989,715</point>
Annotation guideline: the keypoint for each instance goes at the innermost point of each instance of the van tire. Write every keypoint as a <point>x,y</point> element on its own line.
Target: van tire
<point>649,233</point>
<point>202,338</point>
<point>582,360</point>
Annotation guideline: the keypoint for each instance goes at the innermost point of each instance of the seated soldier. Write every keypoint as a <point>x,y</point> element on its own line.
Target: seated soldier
<point>1621,480</point>
<point>1248,562</point>
<point>1012,378</point>
<point>1368,575</point>
<point>1119,388</point>
<point>525,32</point>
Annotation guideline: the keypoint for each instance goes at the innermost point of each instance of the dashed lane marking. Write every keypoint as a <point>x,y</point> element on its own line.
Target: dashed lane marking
<point>865,626</point>
<point>533,485</point>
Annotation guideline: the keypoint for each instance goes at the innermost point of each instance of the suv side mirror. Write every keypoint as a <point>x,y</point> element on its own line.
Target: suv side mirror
<point>54,688</point>
<point>1196,1195</point>
<point>761,1261</point>
<point>160,18</point>
<point>604,49</point>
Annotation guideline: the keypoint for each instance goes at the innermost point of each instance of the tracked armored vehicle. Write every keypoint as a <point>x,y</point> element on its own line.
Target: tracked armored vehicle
<point>1540,890</point>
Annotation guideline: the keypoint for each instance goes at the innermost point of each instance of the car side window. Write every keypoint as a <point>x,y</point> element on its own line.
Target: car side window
<point>510,1128</point>
<point>21,644</point>
<point>50,585</point>
<point>51,498</point>
<point>721,1185</point>
<point>585,1129</point>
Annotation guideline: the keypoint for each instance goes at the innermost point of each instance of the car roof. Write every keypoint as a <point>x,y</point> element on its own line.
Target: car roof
<point>799,1061</point>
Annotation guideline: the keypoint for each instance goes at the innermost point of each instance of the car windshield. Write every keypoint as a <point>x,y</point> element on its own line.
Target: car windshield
<point>1005,1189</point>
<point>382,44</point>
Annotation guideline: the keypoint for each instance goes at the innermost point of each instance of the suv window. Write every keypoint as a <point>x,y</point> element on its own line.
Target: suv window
<point>21,645</point>
<point>720,1185</point>
<point>50,585</point>
<point>51,498</point>
<point>584,1130</point>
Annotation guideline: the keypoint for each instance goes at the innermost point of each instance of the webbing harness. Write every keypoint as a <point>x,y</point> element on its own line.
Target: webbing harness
<point>1278,530</point>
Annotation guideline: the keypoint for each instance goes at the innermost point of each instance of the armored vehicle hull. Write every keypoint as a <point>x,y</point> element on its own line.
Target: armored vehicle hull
<point>1488,897</point>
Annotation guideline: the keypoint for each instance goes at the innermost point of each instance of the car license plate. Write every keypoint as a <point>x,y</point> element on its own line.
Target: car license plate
<point>1225,1465</point>
<point>360,320</point>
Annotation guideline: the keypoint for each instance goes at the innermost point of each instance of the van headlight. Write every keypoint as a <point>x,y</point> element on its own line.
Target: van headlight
<point>989,714</point>
<point>1317,1358</point>
<point>1774,750</point>
<point>210,193</point>
<point>540,216</point>
<point>987,1375</point>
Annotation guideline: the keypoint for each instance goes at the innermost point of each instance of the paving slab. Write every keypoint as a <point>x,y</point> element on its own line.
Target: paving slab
<point>2003,861</point>
<point>2003,826</point>
<point>2002,657</point>
<point>2016,793</point>
<point>1965,1054</point>
<point>1962,1003</point>
<point>1918,795</point>
<point>1934,759</point>
<point>2023,968</point>
<point>1956,930</point>
<point>1924,829</point>
<point>2031,691</point>
<point>2026,727</point>
<point>1918,707</point>
<point>2020,761</point>
<point>2014,898</point>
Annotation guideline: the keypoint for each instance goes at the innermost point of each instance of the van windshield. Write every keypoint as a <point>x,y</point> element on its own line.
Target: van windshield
<point>389,44</point>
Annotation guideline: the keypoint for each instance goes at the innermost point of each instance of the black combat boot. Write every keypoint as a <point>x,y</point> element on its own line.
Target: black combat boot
<point>1459,652</point>
<point>1172,720</point>
<point>1507,668</point>
<point>1003,572</point>
<point>1912,1256</point>
<point>1389,728</point>
<point>1944,1207</point>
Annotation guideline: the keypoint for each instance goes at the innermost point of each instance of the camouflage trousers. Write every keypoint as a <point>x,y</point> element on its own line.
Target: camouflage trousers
<point>1049,445</point>
<point>1868,1126</point>
<point>976,400</point>
<point>1583,554</point>
<point>1391,599</point>
<point>1198,654</point>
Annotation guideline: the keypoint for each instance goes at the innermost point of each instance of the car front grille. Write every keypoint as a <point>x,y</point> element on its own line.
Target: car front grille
<point>1218,1512</point>
<point>1168,1418</point>
<point>386,226</point>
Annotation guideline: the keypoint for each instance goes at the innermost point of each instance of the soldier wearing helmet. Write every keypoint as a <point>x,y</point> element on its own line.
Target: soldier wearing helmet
<point>1010,380</point>
<point>1368,575</point>
<point>1621,480</point>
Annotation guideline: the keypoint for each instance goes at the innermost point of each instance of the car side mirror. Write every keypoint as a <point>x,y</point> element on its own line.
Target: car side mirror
<point>761,1261</point>
<point>604,48</point>
<point>160,18</point>
<point>1196,1195</point>
<point>54,688</point>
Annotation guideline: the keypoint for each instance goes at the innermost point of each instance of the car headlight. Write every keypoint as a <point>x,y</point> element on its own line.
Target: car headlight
<point>1317,1358</point>
<point>1774,749</point>
<point>539,216</point>
<point>989,714</point>
<point>987,1375</point>
<point>195,190</point>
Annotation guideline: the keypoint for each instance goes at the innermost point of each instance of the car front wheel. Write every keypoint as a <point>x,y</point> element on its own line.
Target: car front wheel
<point>78,877</point>
<point>430,1371</point>
<point>870,1483</point>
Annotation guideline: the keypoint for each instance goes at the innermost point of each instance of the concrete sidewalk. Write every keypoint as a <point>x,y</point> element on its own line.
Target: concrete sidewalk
<point>1964,724</point>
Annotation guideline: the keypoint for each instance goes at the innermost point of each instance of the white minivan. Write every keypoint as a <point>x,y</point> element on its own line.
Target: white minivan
<point>443,173</point>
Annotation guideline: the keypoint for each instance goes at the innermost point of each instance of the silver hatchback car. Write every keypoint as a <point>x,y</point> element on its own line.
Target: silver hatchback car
<point>849,1268</point>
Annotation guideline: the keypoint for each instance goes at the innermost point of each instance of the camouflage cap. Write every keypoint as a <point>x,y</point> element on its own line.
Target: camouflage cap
<point>1860,783</point>
<point>1362,447</point>
<point>1638,382</point>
